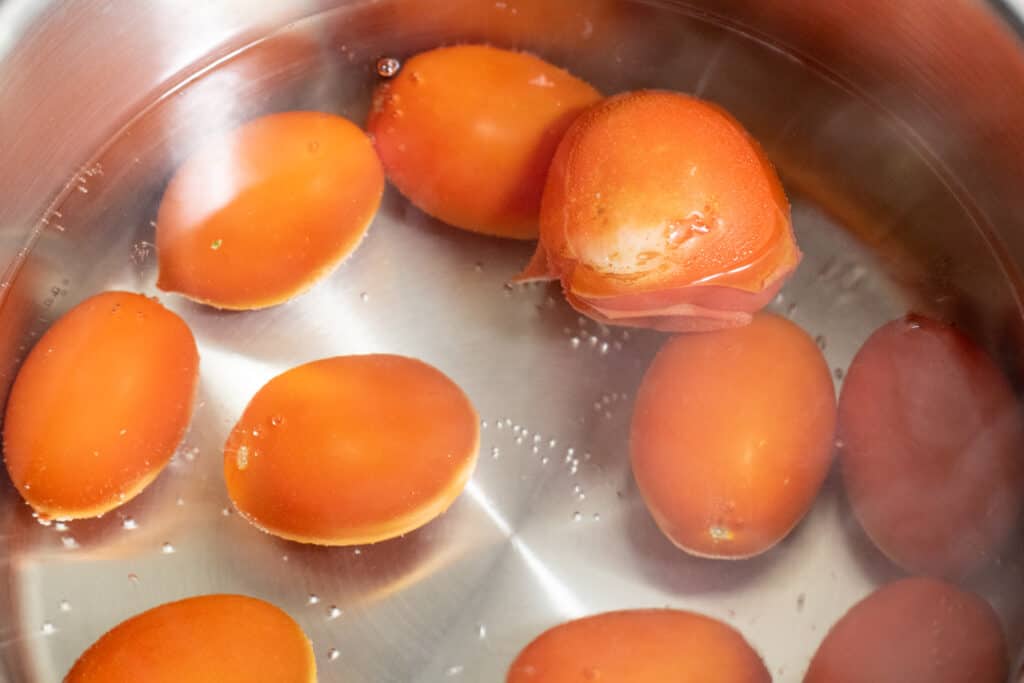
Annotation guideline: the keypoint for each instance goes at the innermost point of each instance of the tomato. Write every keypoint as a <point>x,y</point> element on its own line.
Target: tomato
<point>258,215</point>
<point>661,211</point>
<point>732,436</point>
<point>466,133</point>
<point>932,448</point>
<point>205,639</point>
<point>916,630</point>
<point>351,450</point>
<point>640,646</point>
<point>100,405</point>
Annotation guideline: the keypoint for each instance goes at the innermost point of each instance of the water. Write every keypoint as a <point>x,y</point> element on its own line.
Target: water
<point>517,551</point>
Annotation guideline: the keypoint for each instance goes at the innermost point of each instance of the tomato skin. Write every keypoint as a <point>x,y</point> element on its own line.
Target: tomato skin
<point>661,211</point>
<point>640,646</point>
<point>932,448</point>
<point>351,450</point>
<point>256,216</point>
<point>204,639</point>
<point>732,436</point>
<point>917,630</point>
<point>100,405</point>
<point>466,133</point>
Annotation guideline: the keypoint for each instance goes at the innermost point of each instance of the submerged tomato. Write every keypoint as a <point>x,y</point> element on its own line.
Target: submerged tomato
<point>206,639</point>
<point>933,448</point>
<point>640,646</point>
<point>256,216</point>
<point>913,631</point>
<point>466,133</point>
<point>100,405</point>
<point>351,450</point>
<point>661,211</point>
<point>732,436</point>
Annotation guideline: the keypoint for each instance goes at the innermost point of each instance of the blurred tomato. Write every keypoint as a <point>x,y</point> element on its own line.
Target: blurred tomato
<point>933,447</point>
<point>913,631</point>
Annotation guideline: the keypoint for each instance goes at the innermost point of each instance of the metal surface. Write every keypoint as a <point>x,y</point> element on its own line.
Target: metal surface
<point>891,214</point>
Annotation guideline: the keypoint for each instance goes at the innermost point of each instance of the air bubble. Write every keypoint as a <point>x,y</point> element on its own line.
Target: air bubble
<point>64,606</point>
<point>167,549</point>
<point>597,516</point>
<point>334,612</point>
<point>495,452</point>
<point>821,341</point>
<point>388,67</point>
<point>552,443</point>
<point>481,631</point>
<point>129,524</point>
<point>455,670</point>
<point>603,349</point>
<point>545,460</point>
<point>48,629</point>
<point>69,542</point>
<point>242,457</point>
<point>364,296</point>
<point>577,516</point>
<point>333,655</point>
<point>312,599</point>
<point>838,373</point>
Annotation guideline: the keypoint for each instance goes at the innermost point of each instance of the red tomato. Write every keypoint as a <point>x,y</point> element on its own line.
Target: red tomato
<point>640,646</point>
<point>732,436</point>
<point>933,447</point>
<point>913,631</point>
<point>100,405</point>
<point>351,450</point>
<point>466,133</point>
<point>256,216</point>
<point>661,211</point>
<point>206,639</point>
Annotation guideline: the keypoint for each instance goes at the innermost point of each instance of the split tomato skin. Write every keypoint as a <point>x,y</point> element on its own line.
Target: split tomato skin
<point>467,133</point>
<point>732,436</point>
<point>932,441</point>
<point>661,211</point>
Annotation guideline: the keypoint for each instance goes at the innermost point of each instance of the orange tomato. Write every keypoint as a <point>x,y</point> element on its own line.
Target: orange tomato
<point>100,405</point>
<point>640,646</point>
<point>932,443</point>
<point>256,216</point>
<point>732,436</point>
<point>351,450</point>
<point>913,631</point>
<point>205,639</point>
<point>466,133</point>
<point>661,211</point>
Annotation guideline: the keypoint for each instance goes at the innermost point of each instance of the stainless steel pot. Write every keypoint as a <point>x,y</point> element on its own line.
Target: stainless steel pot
<point>898,128</point>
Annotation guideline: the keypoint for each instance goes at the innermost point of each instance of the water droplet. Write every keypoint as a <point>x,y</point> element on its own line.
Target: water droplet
<point>719,533</point>
<point>455,670</point>
<point>312,599</point>
<point>334,612</point>
<point>256,433</point>
<point>333,655</point>
<point>577,516</point>
<point>215,245</point>
<point>167,549</point>
<point>129,524</point>
<point>65,606</point>
<point>48,629</point>
<point>388,67</point>
<point>242,457</point>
